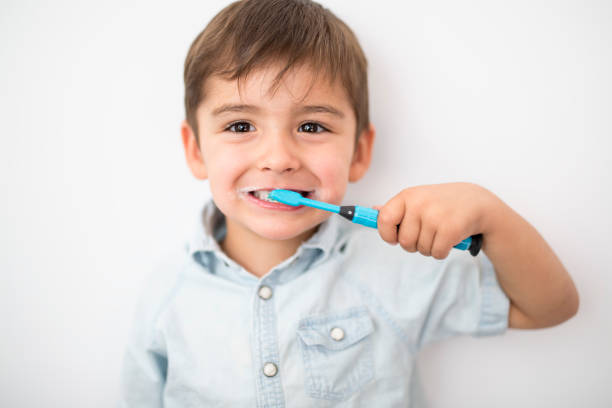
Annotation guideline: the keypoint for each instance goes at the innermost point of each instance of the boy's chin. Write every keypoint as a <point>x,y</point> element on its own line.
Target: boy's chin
<point>284,232</point>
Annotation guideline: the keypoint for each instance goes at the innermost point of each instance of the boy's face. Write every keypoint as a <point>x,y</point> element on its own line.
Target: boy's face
<point>299,137</point>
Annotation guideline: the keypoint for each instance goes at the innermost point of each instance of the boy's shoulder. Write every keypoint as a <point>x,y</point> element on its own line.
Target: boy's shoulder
<point>366,249</point>
<point>164,278</point>
<point>374,262</point>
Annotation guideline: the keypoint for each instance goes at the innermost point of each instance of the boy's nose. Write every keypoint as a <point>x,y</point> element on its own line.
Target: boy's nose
<point>278,155</point>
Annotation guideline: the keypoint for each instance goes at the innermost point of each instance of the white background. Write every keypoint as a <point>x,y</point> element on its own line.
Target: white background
<point>513,95</point>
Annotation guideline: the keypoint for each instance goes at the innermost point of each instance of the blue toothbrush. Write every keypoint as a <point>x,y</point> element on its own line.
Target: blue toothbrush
<point>357,214</point>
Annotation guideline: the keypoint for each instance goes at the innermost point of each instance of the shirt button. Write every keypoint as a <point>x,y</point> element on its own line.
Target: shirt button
<point>270,369</point>
<point>337,333</point>
<point>265,292</point>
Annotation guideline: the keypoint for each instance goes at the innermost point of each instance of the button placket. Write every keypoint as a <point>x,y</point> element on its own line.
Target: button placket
<point>265,347</point>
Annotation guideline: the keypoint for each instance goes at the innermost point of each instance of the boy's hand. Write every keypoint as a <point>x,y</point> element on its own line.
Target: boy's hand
<point>432,219</point>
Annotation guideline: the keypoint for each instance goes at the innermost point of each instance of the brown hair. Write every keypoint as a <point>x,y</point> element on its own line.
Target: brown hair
<point>251,34</point>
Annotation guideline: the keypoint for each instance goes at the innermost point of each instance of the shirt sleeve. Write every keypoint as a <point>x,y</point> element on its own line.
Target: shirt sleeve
<point>144,368</point>
<point>494,303</point>
<point>461,296</point>
<point>423,299</point>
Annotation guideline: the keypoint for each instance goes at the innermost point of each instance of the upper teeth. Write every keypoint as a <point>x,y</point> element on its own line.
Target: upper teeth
<point>263,195</point>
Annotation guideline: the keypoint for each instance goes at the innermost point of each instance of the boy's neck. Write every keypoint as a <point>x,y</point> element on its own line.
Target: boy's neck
<point>255,254</point>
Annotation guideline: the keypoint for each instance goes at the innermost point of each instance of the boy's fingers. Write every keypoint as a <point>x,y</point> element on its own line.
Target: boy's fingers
<point>440,248</point>
<point>389,217</point>
<point>426,239</point>
<point>409,233</point>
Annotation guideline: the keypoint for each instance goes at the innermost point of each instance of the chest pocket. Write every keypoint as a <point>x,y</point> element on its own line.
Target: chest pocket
<point>337,353</point>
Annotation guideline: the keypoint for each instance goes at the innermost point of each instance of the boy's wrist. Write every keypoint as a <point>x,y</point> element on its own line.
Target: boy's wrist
<point>499,225</point>
<point>497,222</point>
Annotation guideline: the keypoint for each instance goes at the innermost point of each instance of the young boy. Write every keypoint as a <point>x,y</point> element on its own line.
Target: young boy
<point>274,306</point>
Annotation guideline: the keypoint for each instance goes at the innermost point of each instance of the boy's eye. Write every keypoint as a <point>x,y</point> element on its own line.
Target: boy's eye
<point>311,127</point>
<point>241,127</point>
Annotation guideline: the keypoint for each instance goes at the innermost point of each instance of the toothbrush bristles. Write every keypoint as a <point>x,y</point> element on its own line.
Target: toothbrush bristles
<point>270,199</point>
<point>265,195</point>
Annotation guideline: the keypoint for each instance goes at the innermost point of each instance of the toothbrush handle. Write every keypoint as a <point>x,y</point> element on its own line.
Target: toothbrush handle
<point>368,217</point>
<point>473,244</point>
<point>360,215</point>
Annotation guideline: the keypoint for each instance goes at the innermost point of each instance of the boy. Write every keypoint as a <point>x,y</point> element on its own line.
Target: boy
<point>275,306</point>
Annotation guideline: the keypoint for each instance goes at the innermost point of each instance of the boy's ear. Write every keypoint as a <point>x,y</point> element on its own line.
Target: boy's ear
<point>363,153</point>
<point>193,155</point>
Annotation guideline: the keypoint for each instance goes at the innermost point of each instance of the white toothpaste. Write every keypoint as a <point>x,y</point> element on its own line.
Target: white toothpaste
<point>261,194</point>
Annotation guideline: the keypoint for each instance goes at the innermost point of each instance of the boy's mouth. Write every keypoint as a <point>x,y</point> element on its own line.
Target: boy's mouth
<point>260,198</point>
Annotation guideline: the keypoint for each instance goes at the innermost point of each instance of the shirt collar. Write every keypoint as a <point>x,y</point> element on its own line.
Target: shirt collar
<point>210,230</point>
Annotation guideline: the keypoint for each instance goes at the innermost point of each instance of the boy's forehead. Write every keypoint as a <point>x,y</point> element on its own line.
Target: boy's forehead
<point>298,86</point>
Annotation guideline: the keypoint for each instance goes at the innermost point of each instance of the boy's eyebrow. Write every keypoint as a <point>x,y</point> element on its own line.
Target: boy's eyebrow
<point>321,109</point>
<point>229,107</point>
<point>253,109</point>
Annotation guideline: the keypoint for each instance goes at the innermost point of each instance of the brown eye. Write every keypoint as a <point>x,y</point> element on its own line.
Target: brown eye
<point>311,127</point>
<point>241,127</point>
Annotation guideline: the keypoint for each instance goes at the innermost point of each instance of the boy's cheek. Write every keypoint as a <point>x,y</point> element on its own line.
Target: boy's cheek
<point>224,171</point>
<point>225,161</point>
<point>333,176</point>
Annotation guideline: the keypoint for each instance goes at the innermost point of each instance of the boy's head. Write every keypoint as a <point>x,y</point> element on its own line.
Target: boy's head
<point>252,34</point>
<point>276,97</point>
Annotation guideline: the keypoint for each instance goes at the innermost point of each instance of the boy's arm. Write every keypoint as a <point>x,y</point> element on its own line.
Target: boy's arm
<point>431,219</point>
<point>541,292</point>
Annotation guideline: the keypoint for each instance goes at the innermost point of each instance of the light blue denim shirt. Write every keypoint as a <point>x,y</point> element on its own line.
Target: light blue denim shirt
<point>337,324</point>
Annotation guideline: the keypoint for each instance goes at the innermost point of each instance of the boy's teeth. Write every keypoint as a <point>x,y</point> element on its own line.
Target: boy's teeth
<point>263,195</point>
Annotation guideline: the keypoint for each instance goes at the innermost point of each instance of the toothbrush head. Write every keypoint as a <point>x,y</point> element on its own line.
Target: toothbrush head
<point>286,197</point>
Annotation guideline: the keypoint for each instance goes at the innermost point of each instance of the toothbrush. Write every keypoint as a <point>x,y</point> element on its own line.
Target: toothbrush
<point>358,214</point>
